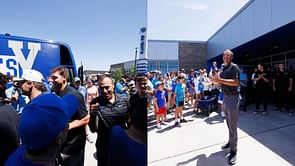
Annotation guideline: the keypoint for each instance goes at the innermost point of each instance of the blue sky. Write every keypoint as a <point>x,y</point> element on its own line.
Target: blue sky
<point>104,32</point>
<point>192,20</point>
<point>100,32</point>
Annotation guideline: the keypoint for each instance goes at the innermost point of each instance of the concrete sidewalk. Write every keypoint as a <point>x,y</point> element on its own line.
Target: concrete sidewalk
<point>263,140</point>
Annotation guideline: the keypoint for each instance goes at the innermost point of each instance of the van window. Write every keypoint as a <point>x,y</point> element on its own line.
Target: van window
<point>65,56</point>
<point>70,74</point>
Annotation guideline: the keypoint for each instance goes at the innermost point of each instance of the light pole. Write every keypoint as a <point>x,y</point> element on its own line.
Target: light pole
<point>135,57</point>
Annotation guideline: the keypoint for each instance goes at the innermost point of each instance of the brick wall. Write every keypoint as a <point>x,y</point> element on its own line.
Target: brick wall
<point>192,55</point>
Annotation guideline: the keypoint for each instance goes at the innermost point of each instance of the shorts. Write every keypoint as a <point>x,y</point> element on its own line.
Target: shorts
<point>161,110</point>
<point>191,91</point>
<point>180,103</point>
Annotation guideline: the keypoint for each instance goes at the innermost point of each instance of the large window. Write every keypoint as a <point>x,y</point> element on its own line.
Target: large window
<point>162,65</point>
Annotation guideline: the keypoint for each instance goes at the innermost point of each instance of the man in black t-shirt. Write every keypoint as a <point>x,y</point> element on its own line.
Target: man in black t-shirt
<point>138,101</point>
<point>129,146</point>
<point>262,88</point>
<point>228,78</point>
<point>72,152</point>
<point>106,111</point>
<point>282,86</point>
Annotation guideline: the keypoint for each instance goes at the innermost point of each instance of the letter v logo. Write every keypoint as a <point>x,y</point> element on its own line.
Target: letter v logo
<point>16,47</point>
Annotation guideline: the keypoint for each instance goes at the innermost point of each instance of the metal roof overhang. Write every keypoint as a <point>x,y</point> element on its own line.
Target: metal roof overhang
<point>276,41</point>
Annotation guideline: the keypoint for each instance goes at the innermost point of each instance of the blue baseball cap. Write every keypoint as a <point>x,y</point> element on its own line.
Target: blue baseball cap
<point>44,118</point>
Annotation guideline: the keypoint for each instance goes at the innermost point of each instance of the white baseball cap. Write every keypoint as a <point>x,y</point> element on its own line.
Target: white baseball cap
<point>76,79</point>
<point>32,75</point>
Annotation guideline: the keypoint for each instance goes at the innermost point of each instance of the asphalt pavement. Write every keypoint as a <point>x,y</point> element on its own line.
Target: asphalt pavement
<point>262,140</point>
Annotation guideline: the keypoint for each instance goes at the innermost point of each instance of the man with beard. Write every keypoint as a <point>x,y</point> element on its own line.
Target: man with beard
<point>72,151</point>
<point>32,83</point>
<point>106,111</point>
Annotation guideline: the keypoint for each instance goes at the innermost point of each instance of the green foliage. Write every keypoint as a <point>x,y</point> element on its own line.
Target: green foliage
<point>117,74</point>
<point>131,71</point>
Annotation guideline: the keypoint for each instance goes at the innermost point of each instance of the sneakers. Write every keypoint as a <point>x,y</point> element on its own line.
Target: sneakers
<point>264,113</point>
<point>158,126</point>
<point>165,119</point>
<point>255,112</point>
<point>290,114</point>
<point>232,158</point>
<point>163,122</point>
<point>225,146</point>
<point>176,123</point>
<point>183,121</point>
<point>89,139</point>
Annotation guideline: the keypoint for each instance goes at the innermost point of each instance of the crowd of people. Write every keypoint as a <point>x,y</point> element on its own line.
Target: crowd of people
<point>48,122</point>
<point>261,87</point>
<point>233,86</point>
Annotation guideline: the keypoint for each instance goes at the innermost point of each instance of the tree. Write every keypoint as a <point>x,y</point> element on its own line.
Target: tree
<point>117,74</point>
<point>131,71</point>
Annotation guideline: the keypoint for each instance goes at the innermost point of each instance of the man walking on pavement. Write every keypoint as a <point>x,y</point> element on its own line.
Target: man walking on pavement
<point>229,80</point>
<point>72,151</point>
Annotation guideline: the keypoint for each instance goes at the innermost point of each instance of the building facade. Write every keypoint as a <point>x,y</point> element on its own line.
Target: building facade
<point>263,31</point>
<point>166,56</point>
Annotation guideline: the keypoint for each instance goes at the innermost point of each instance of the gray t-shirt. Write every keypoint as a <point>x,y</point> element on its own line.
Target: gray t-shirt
<point>231,71</point>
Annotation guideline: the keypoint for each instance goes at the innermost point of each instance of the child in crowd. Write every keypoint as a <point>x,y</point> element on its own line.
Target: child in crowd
<point>180,95</point>
<point>160,103</point>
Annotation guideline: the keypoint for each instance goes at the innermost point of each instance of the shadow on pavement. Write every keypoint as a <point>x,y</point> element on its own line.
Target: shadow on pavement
<point>218,158</point>
<point>166,129</point>
<point>214,118</point>
<point>268,129</point>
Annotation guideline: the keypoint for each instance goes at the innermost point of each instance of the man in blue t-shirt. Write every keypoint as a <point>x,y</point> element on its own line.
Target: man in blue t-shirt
<point>120,88</point>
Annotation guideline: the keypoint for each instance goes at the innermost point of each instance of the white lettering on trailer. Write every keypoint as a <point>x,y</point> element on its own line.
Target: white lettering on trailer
<point>9,65</point>
<point>16,47</point>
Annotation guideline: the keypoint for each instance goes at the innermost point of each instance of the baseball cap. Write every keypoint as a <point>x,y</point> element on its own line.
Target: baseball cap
<point>44,118</point>
<point>32,75</point>
<point>159,83</point>
<point>180,76</point>
<point>76,79</point>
